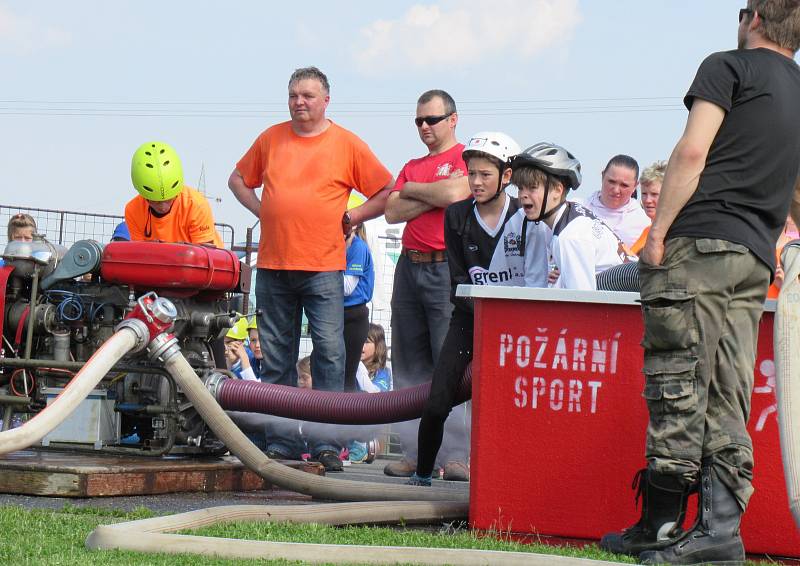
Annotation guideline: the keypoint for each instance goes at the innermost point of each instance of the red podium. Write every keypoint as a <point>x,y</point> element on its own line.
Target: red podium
<point>558,421</point>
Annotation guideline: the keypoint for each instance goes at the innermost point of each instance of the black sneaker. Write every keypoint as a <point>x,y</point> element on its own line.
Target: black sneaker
<point>330,460</point>
<point>274,455</point>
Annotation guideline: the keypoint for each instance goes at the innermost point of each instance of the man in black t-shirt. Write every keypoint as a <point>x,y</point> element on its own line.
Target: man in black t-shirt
<point>704,271</point>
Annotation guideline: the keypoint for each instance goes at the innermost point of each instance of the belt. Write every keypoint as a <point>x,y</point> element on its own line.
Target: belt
<point>416,256</point>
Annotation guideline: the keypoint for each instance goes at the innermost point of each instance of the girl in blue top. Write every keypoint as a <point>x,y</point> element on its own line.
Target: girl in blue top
<point>359,282</point>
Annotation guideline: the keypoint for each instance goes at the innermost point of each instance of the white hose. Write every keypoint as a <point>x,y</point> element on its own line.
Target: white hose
<point>146,535</point>
<point>74,393</point>
<point>787,374</point>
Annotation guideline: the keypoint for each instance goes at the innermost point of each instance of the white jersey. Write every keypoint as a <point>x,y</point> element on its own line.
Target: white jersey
<point>508,266</point>
<point>581,246</point>
<point>627,222</point>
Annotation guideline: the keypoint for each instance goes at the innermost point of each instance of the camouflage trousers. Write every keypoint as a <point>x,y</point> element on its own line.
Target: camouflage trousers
<point>701,309</point>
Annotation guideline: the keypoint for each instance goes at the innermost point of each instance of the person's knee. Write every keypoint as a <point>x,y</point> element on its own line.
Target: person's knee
<point>436,411</point>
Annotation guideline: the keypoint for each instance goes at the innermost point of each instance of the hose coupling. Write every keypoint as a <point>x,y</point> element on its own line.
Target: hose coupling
<point>163,347</point>
<point>157,314</point>
<point>214,381</point>
<point>139,329</point>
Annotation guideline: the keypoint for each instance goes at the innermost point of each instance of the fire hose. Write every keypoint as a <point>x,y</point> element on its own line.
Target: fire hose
<point>787,367</point>
<point>127,339</point>
<point>439,504</point>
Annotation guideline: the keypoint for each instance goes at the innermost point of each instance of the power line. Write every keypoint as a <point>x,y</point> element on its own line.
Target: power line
<point>334,101</point>
<point>207,113</point>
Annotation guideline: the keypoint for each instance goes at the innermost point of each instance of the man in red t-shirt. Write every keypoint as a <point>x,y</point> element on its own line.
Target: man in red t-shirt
<point>307,168</point>
<point>421,304</point>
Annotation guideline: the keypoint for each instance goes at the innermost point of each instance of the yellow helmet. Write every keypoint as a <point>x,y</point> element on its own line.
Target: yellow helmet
<point>239,330</point>
<point>251,325</point>
<point>156,171</point>
<point>355,200</point>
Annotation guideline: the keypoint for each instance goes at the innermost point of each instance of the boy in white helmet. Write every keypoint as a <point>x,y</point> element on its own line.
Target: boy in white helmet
<point>472,229</point>
<point>578,245</point>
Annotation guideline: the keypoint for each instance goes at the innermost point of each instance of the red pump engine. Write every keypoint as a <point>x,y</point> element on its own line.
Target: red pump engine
<point>162,266</point>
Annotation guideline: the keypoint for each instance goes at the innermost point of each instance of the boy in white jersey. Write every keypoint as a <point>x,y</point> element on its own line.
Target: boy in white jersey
<point>472,231</point>
<point>578,245</point>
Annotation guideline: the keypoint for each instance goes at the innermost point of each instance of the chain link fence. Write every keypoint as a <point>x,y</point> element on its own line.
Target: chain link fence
<point>65,227</point>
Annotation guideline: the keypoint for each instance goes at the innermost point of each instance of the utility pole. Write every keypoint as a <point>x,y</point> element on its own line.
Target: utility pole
<point>201,185</point>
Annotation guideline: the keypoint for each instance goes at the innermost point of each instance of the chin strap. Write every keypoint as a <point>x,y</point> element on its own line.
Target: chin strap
<point>544,213</point>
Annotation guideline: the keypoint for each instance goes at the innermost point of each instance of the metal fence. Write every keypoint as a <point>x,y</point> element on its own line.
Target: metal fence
<point>65,227</point>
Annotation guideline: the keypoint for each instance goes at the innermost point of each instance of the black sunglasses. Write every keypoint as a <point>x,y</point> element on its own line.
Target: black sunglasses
<point>430,120</point>
<point>744,11</point>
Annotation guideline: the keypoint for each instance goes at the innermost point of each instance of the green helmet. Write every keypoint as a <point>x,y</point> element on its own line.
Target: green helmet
<point>156,171</point>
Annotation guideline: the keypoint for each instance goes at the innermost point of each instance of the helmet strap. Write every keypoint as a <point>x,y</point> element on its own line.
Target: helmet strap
<point>544,213</point>
<point>500,181</point>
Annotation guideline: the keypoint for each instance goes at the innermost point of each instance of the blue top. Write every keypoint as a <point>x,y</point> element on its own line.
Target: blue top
<point>121,233</point>
<point>359,263</point>
<point>383,379</point>
<point>236,369</point>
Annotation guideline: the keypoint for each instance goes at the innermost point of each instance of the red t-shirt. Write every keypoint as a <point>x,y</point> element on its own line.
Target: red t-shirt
<point>426,232</point>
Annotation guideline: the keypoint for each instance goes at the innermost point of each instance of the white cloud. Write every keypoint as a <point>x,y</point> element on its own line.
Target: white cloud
<point>457,33</point>
<point>21,34</point>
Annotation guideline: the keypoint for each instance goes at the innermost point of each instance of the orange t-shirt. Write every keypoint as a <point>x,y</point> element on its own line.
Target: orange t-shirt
<point>307,181</point>
<point>783,239</point>
<point>638,245</point>
<point>189,220</point>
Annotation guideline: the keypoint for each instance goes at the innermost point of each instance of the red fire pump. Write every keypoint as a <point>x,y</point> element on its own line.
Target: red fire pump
<point>58,306</point>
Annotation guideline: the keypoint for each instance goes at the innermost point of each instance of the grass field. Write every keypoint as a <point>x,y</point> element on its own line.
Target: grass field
<point>46,537</point>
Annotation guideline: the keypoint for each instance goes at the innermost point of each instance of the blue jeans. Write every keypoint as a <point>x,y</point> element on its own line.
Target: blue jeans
<point>282,296</point>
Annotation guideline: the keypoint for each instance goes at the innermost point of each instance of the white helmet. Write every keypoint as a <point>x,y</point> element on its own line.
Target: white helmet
<point>496,144</point>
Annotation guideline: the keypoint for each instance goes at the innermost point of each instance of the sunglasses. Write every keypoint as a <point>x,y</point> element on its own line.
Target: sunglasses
<point>430,120</point>
<point>745,11</point>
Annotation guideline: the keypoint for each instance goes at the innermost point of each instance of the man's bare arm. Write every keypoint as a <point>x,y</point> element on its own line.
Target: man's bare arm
<point>374,207</point>
<point>440,194</point>
<point>686,163</point>
<point>401,210</point>
<point>243,193</point>
<point>795,210</point>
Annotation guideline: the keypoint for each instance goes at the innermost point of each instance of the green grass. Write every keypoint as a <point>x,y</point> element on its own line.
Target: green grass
<point>46,537</point>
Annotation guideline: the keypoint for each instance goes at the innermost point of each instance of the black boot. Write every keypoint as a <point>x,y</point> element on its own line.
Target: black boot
<point>714,539</point>
<point>663,511</point>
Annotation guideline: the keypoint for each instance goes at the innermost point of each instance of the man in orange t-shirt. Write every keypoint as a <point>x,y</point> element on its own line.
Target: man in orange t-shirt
<point>307,168</point>
<point>165,209</point>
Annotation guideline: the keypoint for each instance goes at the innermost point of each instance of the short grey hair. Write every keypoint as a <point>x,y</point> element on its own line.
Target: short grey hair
<point>447,100</point>
<point>310,73</point>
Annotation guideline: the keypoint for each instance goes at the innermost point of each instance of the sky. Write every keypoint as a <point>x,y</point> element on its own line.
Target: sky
<point>84,83</point>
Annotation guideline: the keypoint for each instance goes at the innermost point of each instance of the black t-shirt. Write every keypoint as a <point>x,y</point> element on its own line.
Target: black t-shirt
<point>744,192</point>
<point>470,246</point>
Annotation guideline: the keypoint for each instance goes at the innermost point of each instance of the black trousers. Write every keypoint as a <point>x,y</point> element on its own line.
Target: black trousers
<point>456,354</point>
<point>356,328</point>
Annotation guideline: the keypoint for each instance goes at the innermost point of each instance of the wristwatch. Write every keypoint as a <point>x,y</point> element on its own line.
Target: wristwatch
<point>346,217</point>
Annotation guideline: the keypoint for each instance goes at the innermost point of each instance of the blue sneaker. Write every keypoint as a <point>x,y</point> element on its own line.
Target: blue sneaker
<point>417,480</point>
<point>358,451</point>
